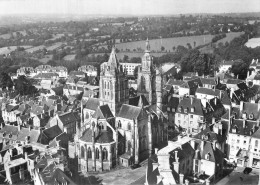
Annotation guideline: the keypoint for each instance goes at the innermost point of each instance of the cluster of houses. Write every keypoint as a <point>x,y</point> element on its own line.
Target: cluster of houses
<point>216,121</point>
<point>189,129</point>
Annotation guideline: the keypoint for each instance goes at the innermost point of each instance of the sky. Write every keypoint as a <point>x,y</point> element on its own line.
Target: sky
<point>123,7</point>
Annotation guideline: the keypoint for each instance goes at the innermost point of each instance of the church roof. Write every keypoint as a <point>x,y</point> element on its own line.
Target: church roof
<point>129,112</point>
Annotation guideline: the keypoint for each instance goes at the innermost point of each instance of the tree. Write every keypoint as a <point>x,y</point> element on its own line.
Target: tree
<point>5,80</point>
<point>162,48</point>
<point>24,87</point>
<point>125,58</point>
<point>240,68</point>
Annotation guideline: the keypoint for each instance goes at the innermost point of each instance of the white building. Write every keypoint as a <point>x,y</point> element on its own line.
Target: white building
<point>130,67</point>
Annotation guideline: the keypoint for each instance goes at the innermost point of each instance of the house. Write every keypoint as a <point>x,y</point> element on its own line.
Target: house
<point>130,67</point>
<point>189,114</point>
<point>207,93</point>
<point>190,87</point>
<point>172,86</point>
<point>171,110</point>
<point>240,134</point>
<point>67,122</point>
<point>254,158</point>
<point>209,83</point>
<point>90,70</point>
<point>79,74</point>
<point>226,65</point>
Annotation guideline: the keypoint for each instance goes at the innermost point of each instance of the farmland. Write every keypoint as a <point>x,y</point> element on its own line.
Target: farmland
<point>8,50</point>
<point>169,43</point>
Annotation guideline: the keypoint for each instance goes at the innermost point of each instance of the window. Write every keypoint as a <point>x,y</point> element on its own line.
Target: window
<point>97,153</point>
<point>173,109</point>
<point>185,110</point>
<point>129,146</point>
<point>82,152</point>
<point>192,109</point>
<point>208,156</point>
<point>179,109</point>
<point>244,141</point>
<point>238,141</point>
<point>129,126</point>
<point>201,118</point>
<point>168,108</point>
<point>191,122</point>
<point>89,153</point>
<point>105,153</point>
<point>179,121</point>
<point>179,115</point>
<point>191,116</point>
<point>119,124</point>
<point>237,147</point>
<point>256,143</point>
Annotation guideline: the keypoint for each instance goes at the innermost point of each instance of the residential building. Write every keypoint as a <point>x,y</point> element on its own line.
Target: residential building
<point>130,67</point>
<point>90,70</point>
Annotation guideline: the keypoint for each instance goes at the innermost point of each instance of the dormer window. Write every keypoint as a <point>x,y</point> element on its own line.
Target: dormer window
<point>244,115</point>
<point>173,109</point>
<point>234,130</point>
<point>251,116</point>
<point>179,109</point>
<point>168,109</point>
<point>192,109</point>
<point>185,110</point>
<point>119,124</point>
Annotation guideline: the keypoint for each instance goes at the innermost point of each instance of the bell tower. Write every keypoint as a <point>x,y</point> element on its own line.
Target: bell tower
<point>146,76</point>
<point>113,87</point>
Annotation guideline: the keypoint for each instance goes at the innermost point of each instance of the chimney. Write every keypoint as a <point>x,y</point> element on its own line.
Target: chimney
<point>65,129</point>
<point>176,156</point>
<point>244,123</point>
<point>187,182</point>
<point>181,178</point>
<point>215,100</point>
<point>26,156</point>
<point>191,100</point>
<point>19,127</point>
<point>241,105</point>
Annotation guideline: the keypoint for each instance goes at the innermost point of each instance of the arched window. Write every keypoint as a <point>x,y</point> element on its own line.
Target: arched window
<point>105,153</point>
<point>89,153</point>
<point>108,85</point>
<point>82,152</point>
<point>129,126</point>
<point>256,143</point>
<point>97,153</point>
<point>105,84</point>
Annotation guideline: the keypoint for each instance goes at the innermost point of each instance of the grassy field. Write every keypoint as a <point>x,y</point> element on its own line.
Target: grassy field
<point>121,55</point>
<point>228,38</point>
<point>167,43</point>
<point>7,50</point>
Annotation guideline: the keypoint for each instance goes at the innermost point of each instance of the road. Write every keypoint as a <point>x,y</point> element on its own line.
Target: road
<point>237,177</point>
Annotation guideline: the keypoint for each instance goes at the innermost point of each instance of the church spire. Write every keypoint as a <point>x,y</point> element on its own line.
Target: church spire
<point>147,46</point>
<point>113,61</point>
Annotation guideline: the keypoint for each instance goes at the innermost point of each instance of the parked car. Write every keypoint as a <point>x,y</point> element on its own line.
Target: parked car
<point>247,170</point>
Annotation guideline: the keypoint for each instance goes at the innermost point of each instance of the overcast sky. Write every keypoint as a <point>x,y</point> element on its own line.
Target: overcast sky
<point>135,7</point>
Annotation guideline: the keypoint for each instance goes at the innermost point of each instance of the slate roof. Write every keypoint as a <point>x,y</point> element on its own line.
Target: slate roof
<point>75,73</point>
<point>188,103</point>
<point>69,117</point>
<point>152,174</point>
<point>58,90</point>
<point>138,101</point>
<point>174,82</point>
<point>256,134</point>
<point>211,136</point>
<point>129,112</point>
<point>184,152</point>
<point>209,81</point>
<point>105,136</point>
<point>52,132</point>
<point>103,112</point>
<point>92,104</point>
<point>251,108</point>
<point>173,102</point>
<point>248,130</point>
<point>225,99</point>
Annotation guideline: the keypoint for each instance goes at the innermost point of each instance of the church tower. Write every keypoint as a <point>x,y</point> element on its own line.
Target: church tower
<point>113,87</point>
<point>147,77</point>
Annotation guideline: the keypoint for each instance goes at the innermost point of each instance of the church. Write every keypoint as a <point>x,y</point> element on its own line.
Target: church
<point>116,129</point>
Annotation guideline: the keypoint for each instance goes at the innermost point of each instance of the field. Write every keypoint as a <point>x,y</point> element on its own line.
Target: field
<point>253,43</point>
<point>7,50</point>
<point>121,55</point>
<point>228,38</point>
<point>8,35</point>
<point>33,49</point>
<point>167,43</point>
